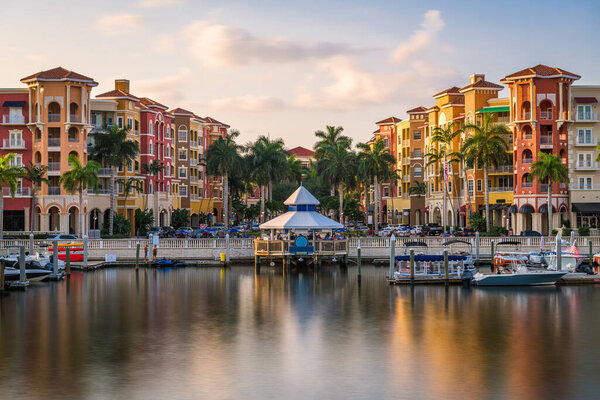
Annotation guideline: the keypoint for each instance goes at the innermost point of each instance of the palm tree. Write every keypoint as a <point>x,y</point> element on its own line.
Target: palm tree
<point>222,158</point>
<point>135,184</point>
<point>152,170</point>
<point>418,189</point>
<point>335,167</point>
<point>549,168</point>
<point>295,169</point>
<point>376,162</point>
<point>36,174</point>
<point>79,178</point>
<point>113,147</point>
<point>487,146</point>
<point>9,176</point>
<point>332,136</point>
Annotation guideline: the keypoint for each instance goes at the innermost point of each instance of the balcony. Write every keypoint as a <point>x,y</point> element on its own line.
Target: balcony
<point>53,142</point>
<point>591,142</point>
<point>526,116</point>
<point>497,189</point>
<point>546,140</point>
<point>587,117</point>
<point>527,184</point>
<point>13,119</point>
<point>53,190</point>
<point>53,167</point>
<point>13,144</point>
<point>544,188</point>
<point>501,169</point>
<point>54,117</point>
<point>74,118</point>
<point>584,187</point>
<point>586,165</point>
<point>99,191</point>
<point>546,115</point>
<point>73,139</point>
<point>21,192</point>
<point>527,160</point>
<point>104,172</point>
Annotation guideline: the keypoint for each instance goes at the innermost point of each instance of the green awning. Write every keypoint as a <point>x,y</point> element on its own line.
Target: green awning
<point>493,109</point>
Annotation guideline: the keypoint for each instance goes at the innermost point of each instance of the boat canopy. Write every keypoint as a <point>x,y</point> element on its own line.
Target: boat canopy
<point>456,241</point>
<point>431,258</point>
<point>415,244</point>
<point>509,243</point>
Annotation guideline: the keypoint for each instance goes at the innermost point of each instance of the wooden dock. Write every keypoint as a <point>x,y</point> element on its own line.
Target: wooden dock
<point>432,280</point>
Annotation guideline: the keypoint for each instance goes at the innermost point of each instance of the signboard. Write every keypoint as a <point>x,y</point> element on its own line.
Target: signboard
<point>155,239</point>
<point>370,220</point>
<point>110,257</point>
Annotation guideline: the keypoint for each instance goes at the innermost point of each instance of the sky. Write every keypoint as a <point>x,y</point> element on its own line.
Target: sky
<point>288,68</point>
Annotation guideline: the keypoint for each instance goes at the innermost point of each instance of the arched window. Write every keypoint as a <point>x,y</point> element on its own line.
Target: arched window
<point>526,133</point>
<point>53,112</point>
<point>526,111</point>
<point>73,134</point>
<point>182,134</point>
<point>546,109</point>
<point>525,181</point>
<point>527,157</point>
<point>73,110</point>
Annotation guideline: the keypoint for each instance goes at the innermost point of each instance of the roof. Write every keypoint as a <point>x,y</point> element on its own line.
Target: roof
<point>181,111</point>
<point>200,118</point>
<point>482,84</point>
<point>59,74</point>
<point>419,109</point>
<point>388,121</point>
<point>586,100</point>
<point>214,121</point>
<point>458,101</point>
<point>301,196</point>
<point>301,220</point>
<point>586,207</point>
<point>117,93</point>
<point>540,71</point>
<point>459,116</point>
<point>151,103</point>
<point>301,151</point>
<point>432,108</point>
<point>493,109</point>
<point>452,90</point>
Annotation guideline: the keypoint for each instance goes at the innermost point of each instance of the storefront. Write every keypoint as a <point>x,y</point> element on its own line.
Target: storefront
<point>586,214</point>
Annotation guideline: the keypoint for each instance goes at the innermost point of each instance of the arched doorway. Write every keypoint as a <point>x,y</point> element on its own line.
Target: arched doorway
<point>194,220</point>
<point>95,219</point>
<point>163,217</point>
<point>73,220</point>
<point>418,217</point>
<point>54,219</point>
<point>437,216</point>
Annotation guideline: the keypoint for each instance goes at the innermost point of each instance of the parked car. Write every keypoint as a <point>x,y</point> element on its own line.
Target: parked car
<point>155,230</point>
<point>417,230</point>
<point>531,233</point>
<point>62,236</point>
<point>432,229</point>
<point>167,232</point>
<point>465,232</point>
<point>183,232</point>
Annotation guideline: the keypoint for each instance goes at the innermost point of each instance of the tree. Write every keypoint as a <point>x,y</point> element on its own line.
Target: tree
<point>222,157</point>
<point>36,174</point>
<point>132,183</point>
<point>144,220</point>
<point>486,146</point>
<point>180,218</point>
<point>549,168</point>
<point>295,169</point>
<point>376,162</point>
<point>9,175</point>
<point>330,137</point>
<point>336,167</point>
<point>112,147</point>
<point>79,178</point>
<point>418,188</point>
<point>152,170</point>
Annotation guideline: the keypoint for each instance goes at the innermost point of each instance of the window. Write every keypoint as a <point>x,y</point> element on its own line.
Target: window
<point>432,187</point>
<point>449,186</point>
<point>479,185</point>
<point>109,121</point>
<point>95,119</point>
<point>584,160</point>
<point>584,113</point>
<point>182,154</point>
<point>129,123</point>
<point>120,186</point>
<point>16,139</point>
<point>120,122</point>
<point>585,183</point>
<point>182,134</point>
<point>418,172</point>
<point>150,128</point>
<point>19,191</point>
<point>150,148</point>
<point>137,127</point>
<point>470,187</point>
<point>386,143</point>
<point>417,153</point>
<point>386,192</point>
<point>183,190</point>
<point>150,188</point>
<point>417,134</point>
<point>182,172</point>
<point>129,166</point>
<point>168,132</point>
<point>17,161</point>
<point>584,136</point>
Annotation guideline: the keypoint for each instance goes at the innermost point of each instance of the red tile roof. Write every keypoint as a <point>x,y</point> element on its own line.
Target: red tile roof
<point>214,121</point>
<point>417,110</point>
<point>452,90</point>
<point>482,84</point>
<point>181,111</point>
<point>586,100</point>
<point>199,117</point>
<point>116,93</point>
<point>388,121</point>
<point>541,70</point>
<point>433,108</point>
<point>458,101</point>
<point>151,103</point>
<point>58,73</point>
<point>301,151</point>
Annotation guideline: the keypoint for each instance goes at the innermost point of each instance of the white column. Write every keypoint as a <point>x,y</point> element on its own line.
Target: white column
<point>29,102</point>
<point>68,105</point>
<point>560,100</point>
<point>39,104</point>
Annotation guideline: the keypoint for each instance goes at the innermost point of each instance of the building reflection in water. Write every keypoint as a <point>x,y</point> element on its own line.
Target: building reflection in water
<point>228,333</point>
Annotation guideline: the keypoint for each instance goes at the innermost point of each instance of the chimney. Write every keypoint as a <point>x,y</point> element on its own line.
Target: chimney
<point>477,78</point>
<point>122,84</point>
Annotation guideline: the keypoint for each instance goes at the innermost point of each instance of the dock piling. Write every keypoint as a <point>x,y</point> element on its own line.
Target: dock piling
<point>558,252</point>
<point>68,261</point>
<point>85,251</point>
<point>137,256</point>
<point>492,249</point>
<point>256,264</point>
<point>55,257</point>
<point>359,261</point>
<point>31,244</point>
<point>23,283</point>
<point>446,281</point>
<point>591,252</point>
<point>392,255</point>
<point>1,276</point>
<point>477,248</point>
<point>412,266</point>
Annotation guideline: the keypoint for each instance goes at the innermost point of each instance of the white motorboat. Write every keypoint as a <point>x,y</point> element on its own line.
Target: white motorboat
<point>521,276</point>
<point>13,274</point>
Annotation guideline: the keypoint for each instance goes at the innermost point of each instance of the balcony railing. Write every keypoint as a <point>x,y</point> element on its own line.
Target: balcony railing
<point>587,117</point>
<point>527,160</point>
<point>501,169</point>
<point>53,142</point>
<point>73,139</point>
<point>74,118</point>
<point>546,139</point>
<point>21,192</point>
<point>53,166</point>
<point>54,190</point>
<point>501,189</point>
<point>104,172</point>
<point>13,119</point>
<point>54,117</point>
<point>544,188</point>
<point>527,184</point>
<point>592,142</point>
<point>526,116</point>
<point>99,191</point>
<point>13,144</point>
<point>586,165</point>
<point>584,187</point>
<point>546,115</point>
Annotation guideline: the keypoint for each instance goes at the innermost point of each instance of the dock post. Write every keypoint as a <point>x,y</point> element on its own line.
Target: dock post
<point>558,252</point>
<point>1,275</point>
<point>477,248</point>
<point>227,248</point>
<point>68,261</point>
<point>31,244</point>
<point>85,252</point>
<point>22,276</point>
<point>492,250</point>
<point>446,282</point>
<point>392,255</point>
<point>137,255</point>
<point>359,261</point>
<point>55,258</point>
<point>412,266</point>
<point>591,253</point>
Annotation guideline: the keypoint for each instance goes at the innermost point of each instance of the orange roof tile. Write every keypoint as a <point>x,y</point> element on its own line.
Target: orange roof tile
<point>151,103</point>
<point>301,151</point>
<point>388,121</point>
<point>541,70</point>
<point>59,73</point>
<point>117,93</point>
<point>181,111</point>
<point>452,90</point>
<point>417,110</point>
<point>482,84</point>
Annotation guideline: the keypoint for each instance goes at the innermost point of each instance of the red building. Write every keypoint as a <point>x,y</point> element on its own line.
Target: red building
<point>539,117</point>
<point>16,138</point>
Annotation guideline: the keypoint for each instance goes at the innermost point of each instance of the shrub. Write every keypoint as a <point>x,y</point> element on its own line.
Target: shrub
<point>584,230</point>
<point>477,222</point>
<point>566,231</point>
<point>121,225</point>
<point>180,218</point>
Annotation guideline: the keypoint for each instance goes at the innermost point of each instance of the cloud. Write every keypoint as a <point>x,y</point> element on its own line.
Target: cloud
<point>249,103</point>
<point>158,3</point>
<point>117,24</point>
<point>168,90</point>
<point>421,39</point>
<point>219,45</point>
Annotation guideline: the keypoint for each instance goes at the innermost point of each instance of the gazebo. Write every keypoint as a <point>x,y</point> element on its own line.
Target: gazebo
<point>293,235</point>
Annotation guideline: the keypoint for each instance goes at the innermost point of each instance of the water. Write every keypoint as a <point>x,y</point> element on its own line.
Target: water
<point>226,334</point>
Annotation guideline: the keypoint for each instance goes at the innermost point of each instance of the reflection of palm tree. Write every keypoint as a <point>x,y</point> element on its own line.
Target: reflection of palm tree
<point>79,178</point>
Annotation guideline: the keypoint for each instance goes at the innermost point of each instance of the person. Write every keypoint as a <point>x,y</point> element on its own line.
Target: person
<point>146,252</point>
<point>154,252</point>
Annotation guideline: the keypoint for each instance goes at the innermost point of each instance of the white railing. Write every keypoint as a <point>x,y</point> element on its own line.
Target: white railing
<point>53,142</point>
<point>501,189</point>
<point>546,115</point>
<point>527,160</point>
<point>546,139</point>
<point>501,169</point>
<point>13,119</point>
<point>98,191</point>
<point>586,165</point>
<point>21,192</point>
<point>587,117</point>
<point>53,166</point>
<point>13,144</point>
<point>104,172</point>
<point>592,142</point>
<point>54,190</point>
<point>584,187</point>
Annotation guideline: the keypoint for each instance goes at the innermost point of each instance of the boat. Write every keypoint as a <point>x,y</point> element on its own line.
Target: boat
<point>521,276</point>
<point>164,262</point>
<point>467,252</point>
<point>14,275</point>
<point>36,261</point>
<point>505,258</point>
